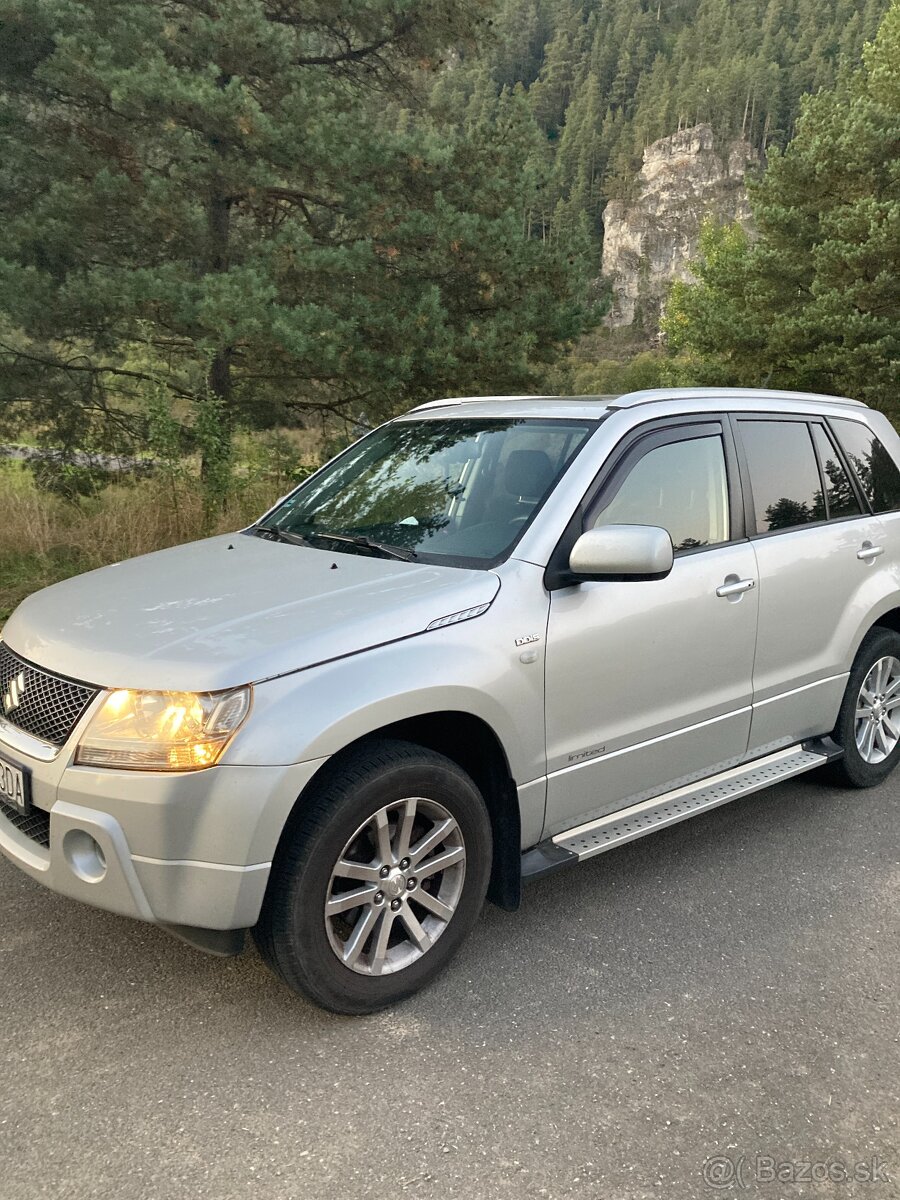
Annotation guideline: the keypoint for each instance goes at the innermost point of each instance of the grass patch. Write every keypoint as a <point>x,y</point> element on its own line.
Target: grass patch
<point>45,538</point>
<point>22,573</point>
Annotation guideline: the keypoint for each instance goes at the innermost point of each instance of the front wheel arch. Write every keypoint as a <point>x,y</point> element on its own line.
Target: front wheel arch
<point>371,795</point>
<point>474,746</point>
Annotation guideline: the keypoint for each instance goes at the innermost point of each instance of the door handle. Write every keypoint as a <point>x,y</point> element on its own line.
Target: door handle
<point>735,588</point>
<point>868,553</point>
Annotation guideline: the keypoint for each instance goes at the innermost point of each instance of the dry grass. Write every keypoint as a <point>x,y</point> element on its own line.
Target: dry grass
<point>44,538</point>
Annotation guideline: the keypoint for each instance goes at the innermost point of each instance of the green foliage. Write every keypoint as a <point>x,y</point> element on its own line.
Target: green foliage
<point>68,480</point>
<point>214,442</point>
<point>612,377</point>
<point>605,78</point>
<point>258,202</point>
<point>273,458</point>
<point>814,302</point>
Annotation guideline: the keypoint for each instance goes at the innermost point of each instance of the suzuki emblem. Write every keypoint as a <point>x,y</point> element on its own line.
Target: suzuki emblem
<point>15,693</point>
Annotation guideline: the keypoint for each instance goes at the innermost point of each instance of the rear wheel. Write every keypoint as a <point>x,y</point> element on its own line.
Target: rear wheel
<point>379,879</point>
<point>868,726</point>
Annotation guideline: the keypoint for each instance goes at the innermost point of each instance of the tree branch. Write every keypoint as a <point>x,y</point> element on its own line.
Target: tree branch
<point>89,368</point>
<point>349,54</point>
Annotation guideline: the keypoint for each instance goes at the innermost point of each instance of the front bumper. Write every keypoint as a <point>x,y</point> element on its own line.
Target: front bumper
<point>192,850</point>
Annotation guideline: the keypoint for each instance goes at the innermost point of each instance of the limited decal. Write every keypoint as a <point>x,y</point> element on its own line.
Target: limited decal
<point>583,754</point>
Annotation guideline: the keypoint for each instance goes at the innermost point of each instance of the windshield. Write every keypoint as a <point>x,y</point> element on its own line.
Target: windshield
<point>459,491</point>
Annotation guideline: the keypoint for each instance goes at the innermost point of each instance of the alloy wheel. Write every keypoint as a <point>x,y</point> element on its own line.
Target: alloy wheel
<point>395,886</point>
<point>877,728</point>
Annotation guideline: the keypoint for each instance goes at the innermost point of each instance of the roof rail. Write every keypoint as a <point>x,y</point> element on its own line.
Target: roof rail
<point>475,399</point>
<point>652,395</point>
<point>469,400</point>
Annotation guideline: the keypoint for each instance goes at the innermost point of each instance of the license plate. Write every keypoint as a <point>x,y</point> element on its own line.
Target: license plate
<point>15,786</point>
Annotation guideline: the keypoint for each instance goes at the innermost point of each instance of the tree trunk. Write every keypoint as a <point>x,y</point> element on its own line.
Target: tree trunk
<point>219,225</point>
<point>215,448</point>
<point>217,451</point>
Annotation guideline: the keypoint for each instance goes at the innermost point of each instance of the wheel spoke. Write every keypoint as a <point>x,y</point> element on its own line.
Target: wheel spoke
<point>347,900</point>
<point>380,946</point>
<point>868,740</point>
<point>863,713</point>
<point>431,840</point>
<point>351,870</point>
<point>884,669</point>
<point>404,829</point>
<point>416,932</point>
<point>892,691</point>
<point>890,728</point>
<point>383,831</point>
<point>357,939</point>
<point>433,904</point>
<point>440,862</point>
<point>879,739</point>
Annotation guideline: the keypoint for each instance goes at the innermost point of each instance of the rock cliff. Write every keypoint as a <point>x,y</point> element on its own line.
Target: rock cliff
<point>649,241</point>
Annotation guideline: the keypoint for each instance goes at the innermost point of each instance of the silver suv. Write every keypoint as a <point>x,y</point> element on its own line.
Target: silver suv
<point>492,638</point>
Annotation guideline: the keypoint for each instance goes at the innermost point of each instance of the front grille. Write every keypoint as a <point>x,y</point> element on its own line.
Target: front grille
<point>46,706</point>
<point>34,824</point>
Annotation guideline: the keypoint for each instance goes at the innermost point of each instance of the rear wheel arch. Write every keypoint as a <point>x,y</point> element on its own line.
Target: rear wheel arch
<point>857,767</point>
<point>886,617</point>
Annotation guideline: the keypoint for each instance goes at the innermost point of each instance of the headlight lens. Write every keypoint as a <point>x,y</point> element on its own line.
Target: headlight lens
<point>163,731</point>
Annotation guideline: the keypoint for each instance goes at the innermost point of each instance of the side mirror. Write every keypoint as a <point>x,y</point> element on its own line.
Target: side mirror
<point>622,552</point>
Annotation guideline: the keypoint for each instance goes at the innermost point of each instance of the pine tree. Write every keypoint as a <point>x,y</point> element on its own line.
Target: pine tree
<point>815,301</point>
<point>552,90</point>
<point>248,202</point>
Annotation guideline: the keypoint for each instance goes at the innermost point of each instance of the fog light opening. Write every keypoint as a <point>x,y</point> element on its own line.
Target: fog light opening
<point>84,855</point>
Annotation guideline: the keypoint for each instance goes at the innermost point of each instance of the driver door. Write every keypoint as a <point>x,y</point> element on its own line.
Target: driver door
<point>648,683</point>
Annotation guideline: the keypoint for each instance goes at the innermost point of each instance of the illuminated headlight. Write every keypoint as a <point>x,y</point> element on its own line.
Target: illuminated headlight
<point>163,731</point>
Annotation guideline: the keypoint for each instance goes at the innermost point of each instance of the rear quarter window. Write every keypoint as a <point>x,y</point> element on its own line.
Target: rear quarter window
<point>842,500</point>
<point>878,474</point>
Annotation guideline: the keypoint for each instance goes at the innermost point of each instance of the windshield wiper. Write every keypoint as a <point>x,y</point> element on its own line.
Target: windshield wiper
<point>357,539</point>
<point>272,534</point>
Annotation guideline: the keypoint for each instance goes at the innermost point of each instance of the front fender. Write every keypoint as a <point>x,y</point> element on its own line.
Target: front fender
<point>473,667</point>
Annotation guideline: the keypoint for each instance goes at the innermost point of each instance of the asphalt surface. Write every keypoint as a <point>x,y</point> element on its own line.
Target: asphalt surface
<point>723,990</point>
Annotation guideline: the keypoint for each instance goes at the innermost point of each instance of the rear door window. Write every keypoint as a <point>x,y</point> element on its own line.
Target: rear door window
<point>871,463</point>
<point>784,474</point>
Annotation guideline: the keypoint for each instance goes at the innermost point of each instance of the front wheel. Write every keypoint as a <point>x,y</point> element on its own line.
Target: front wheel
<point>378,880</point>
<point>868,727</point>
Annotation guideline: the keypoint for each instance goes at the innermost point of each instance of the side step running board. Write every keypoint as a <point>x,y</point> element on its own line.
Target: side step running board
<point>614,829</point>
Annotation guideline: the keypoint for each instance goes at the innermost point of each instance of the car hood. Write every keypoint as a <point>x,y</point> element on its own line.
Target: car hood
<point>232,610</point>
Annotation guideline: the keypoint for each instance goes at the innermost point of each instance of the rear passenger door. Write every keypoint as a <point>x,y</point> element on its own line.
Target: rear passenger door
<point>812,531</point>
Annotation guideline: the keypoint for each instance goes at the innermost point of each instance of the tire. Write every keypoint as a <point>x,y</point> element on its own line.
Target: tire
<point>389,928</point>
<point>871,742</point>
